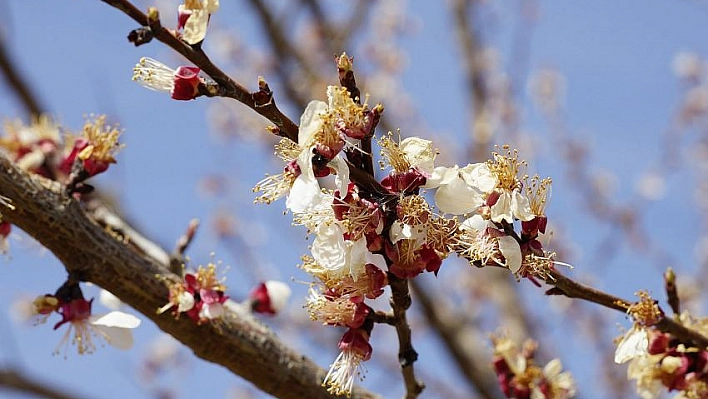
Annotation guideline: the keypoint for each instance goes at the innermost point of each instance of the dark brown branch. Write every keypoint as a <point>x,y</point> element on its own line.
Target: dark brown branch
<point>17,84</point>
<point>400,302</point>
<point>565,286</point>
<point>88,251</point>
<point>228,87</point>
<point>15,380</point>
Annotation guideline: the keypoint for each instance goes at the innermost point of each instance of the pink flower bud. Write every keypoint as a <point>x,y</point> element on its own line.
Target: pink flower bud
<point>186,81</point>
<point>356,340</point>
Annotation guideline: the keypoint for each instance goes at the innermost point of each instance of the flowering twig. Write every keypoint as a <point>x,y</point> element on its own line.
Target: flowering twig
<point>400,302</point>
<point>227,87</point>
<point>565,286</point>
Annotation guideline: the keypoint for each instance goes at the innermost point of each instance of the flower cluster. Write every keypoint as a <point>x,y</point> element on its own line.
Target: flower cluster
<point>364,237</point>
<point>659,360</point>
<point>39,148</point>
<point>200,295</point>
<point>520,378</point>
<point>69,302</point>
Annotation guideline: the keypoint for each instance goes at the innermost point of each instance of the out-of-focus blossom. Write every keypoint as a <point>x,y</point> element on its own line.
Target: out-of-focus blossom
<point>270,297</point>
<point>94,149</point>
<point>33,147</point>
<point>114,327</point>
<point>520,378</point>
<point>200,295</point>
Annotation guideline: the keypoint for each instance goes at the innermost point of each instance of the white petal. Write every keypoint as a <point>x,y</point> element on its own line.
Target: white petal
<point>310,122</point>
<point>356,257</point>
<point>419,153</point>
<point>478,175</point>
<point>212,311</point>
<point>196,26</point>
<point>279,293</point>
<point>634,343</point>
<point>341,179</point>
<point>328,249</point>
<point>552,368</point>
<point>441,175</point>
<point>109,300</point>
<point>511,250</point>
<point>116,319</point>
<point>376,259</point>
<point>475,223</point>
<point>520,206</point>
<point>457,197</point>
<point>399,231</point>
<point>305,194</point>
<point>501,210</point>
<point>121,338</point>
<point>185,301</point>
<point>211,6</point>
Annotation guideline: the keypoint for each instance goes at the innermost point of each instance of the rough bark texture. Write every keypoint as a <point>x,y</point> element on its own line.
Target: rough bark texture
<point>241,344</point>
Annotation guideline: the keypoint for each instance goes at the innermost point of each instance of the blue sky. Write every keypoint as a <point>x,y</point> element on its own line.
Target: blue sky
<point>621,92</point>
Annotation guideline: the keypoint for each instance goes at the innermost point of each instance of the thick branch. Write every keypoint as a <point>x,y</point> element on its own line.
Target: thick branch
<point>240,344</point>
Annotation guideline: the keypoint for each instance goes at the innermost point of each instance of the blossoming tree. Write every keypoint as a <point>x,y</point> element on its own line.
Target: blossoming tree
<point>384,209</point>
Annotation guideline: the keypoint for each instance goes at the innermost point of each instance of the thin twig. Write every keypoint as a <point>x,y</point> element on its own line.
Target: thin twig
<point>400,302</point>
<point>15,380</point>
<point>228,87</point>
<point>457,337</point>
<point>565,286</point>
<point>17,83</point>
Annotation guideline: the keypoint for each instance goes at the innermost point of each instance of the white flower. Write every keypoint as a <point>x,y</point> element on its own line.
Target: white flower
<point>480,176</point>
<point>561,385</point>
<point>196,25</point>
<point>279,293</point>
<point>305,193</point>
<point>511,205</point>
<point>339,256</point>
<point>114,327</point>
<point>642,369</point>
<point>310,123</point>
<point>634,343</point>
<point>453,194</point>
<point>419,153</point>
<point>510,249</point>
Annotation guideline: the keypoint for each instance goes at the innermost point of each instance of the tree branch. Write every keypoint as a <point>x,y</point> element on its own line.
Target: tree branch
<point>17,83</point>
<point>15,380</point>
<point>400,302</point>
<point>229,87</point>
<point>241,344</point>
<point>565,286</point>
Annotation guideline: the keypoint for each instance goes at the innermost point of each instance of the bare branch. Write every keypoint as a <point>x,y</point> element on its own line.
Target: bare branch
<point>17,83</point>
<point>13,379</point>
